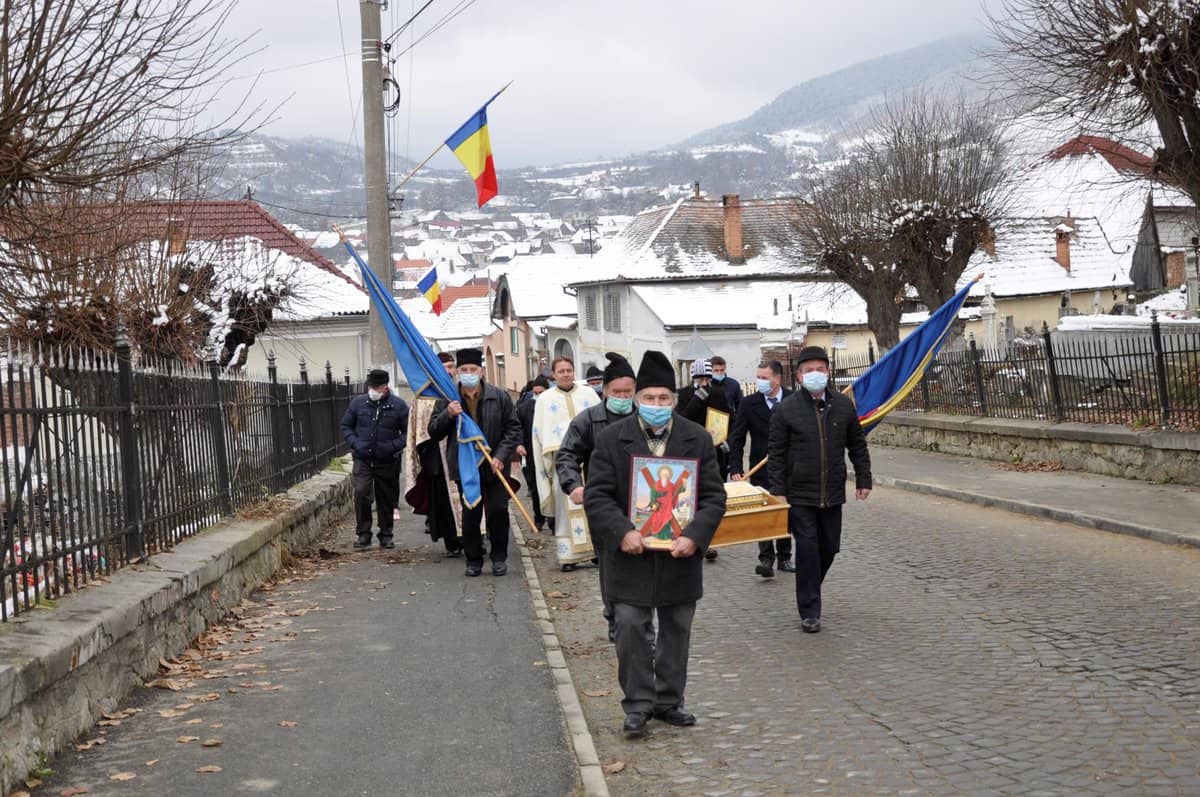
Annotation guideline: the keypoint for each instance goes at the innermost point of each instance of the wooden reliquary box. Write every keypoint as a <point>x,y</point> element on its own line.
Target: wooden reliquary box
<point>751,515</point>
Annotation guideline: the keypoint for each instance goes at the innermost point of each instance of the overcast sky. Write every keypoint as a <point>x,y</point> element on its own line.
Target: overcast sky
<point>598,78</point>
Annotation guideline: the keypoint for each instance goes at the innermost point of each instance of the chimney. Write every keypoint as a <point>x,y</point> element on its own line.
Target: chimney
<point>1062,241</point>
<point>732,204</point>
<point>696,190</point>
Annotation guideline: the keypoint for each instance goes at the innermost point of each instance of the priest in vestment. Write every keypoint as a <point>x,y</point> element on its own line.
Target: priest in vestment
<point>551,416</point>
<point>429,487</point>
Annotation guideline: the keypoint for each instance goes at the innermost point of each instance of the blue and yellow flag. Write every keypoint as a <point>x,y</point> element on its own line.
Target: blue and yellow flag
<point>426,376</point>
<point>882,387</point>
<point>431,289</point>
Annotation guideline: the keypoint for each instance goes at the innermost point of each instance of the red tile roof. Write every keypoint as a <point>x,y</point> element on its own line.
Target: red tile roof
<point>1121,157</point>
<point>450,294</point>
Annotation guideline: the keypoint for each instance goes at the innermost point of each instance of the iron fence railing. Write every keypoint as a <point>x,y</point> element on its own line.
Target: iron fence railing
<point>103,461</point>
<point>1141,378</point>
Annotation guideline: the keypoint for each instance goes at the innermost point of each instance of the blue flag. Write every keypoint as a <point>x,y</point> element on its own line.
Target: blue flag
<point>882,387</point>
<point>426,376</point>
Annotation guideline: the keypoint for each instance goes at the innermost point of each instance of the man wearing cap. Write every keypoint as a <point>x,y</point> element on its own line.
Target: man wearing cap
<point>374,427</point>
<point>754,420</point>
<point>595,379</point>
<point>428,486</point>
<point>571,462</point>
<point>492,409</point>
<point>553,413</point>
<point>525,408</point>
<point>810,435</point>
<point>645,584</point>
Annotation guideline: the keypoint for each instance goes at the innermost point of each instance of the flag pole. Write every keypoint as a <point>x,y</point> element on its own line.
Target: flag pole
<point>438,149</point>
<point>511,494</point>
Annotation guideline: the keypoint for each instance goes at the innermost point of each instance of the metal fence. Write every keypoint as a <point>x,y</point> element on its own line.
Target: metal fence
<point>1137,378</point>
<point>103,462</point>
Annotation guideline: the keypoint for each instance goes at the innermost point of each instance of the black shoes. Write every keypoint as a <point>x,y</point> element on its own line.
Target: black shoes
<point>363,540</point>
<point>569,568</point>
<point>710,554</point>
<point>765,570</point>
<point>386,542</point>
<point>675,716</point>
<point>810,625</point>
<point>457,552</point>
<point>474,570</point>
<point>635,725</point>
<point>786,566</point>
<point>499,568</point>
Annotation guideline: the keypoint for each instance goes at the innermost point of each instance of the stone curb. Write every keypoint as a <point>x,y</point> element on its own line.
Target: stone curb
<point>590,771</point>
<point>115,632</point>
<point>1040,510</point>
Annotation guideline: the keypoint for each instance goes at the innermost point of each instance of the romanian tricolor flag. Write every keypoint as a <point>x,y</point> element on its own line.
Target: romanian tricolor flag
<point>431,289</point>
<point>882,387</point>
<point>471,145</point>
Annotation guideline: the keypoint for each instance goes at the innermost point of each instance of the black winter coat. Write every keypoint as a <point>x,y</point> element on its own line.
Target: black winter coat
<point>525,409</point>
<point>375,430</point>
<point>807,450</point>
<point>753,419</point>
<point>496,420</point>
<point>571,461</point>
<point>652,578</point>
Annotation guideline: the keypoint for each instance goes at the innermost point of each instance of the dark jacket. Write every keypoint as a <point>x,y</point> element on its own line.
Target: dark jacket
<point>807,450</point>
<point>695,408</point>
<point>571,461</point>
<point>733,391</point>
<point>754,419</point>
<point>496,420</point>
<point>524,410</point>
<point>375,430</point>
<point>651,578</point>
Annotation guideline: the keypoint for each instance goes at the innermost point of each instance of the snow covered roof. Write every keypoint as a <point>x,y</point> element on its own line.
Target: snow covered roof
<point>752,303</point>
<point>1024,261</point>
<point>686,240</point>
<point>535,284</point>
<point>467,321</point>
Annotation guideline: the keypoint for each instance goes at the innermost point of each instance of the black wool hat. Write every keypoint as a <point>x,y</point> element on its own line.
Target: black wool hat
<point>593,373</point>
<point>655,371</point>
<point>469,357</point>
<point>812,353</point>
<point>617,367</point>
<point>377,378</point>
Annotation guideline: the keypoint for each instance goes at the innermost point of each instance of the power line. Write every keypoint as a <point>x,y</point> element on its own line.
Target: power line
<point>462,6</point>
<point>307,212</point>
<point>396,33</point>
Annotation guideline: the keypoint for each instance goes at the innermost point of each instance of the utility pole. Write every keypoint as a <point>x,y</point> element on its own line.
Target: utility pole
<point>379,224</point>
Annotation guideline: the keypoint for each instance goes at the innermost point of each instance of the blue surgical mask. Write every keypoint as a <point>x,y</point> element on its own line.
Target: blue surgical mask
<point>764,386</point>
<point>468,380</point>
<point>654,416</point>
<point>619,406</point>
<point>815,382</point>
<point>718,377</point>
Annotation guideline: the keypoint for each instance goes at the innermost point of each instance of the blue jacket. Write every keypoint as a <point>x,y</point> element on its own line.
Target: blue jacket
<point>375,430</point>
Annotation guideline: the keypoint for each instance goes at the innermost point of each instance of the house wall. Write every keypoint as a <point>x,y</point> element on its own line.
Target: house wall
<point>343,341</point>
<point>517,368</point>
<point>1032,311</point>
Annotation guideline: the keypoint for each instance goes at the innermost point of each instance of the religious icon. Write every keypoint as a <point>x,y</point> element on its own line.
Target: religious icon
<point>716,422</point>
<point>663,498</point>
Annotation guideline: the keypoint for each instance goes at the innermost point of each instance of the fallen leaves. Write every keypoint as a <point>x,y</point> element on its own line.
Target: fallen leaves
<point>186,739</point>
<point>165,683</point>
<point>123,776</point>
<point>195,721</point>
<point>556,594</point>
<point>88,745</point>
<point>211,743</point>
<point>152,762</point>
<point>287,724</point>
<point>208,698</point>
<point>208,769</point>
<point>72,791</point>
<point>614,767</point>
<point>597,692</point>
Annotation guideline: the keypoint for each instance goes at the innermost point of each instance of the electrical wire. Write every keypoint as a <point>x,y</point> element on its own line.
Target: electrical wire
<point>358,216</point>
<point>462,6</point>
<point>396,33</point>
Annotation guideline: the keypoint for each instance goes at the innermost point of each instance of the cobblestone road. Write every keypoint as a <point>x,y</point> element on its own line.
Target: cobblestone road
<point>964,651</point>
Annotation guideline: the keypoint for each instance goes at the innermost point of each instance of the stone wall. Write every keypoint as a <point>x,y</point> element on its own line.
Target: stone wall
<point>61,666</point>
<point>1155,456</point>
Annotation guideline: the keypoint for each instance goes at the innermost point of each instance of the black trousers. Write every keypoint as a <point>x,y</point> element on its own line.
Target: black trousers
<point>442,525</point>
<point>376,484</point>
<point>528,470</point>
<point>770,550</point>
<point>495,506</point>
<point>818,535</point>
<point>652,668</point>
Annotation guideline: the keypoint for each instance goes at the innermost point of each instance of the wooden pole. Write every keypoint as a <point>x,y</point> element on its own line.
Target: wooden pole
<point>504,480</point>
<point>413,173</point>
<point>755,469</point>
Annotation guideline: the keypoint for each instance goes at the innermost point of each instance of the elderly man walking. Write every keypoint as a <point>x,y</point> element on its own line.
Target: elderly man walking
<point>810,435</point>
<point>644,583</point>
<point>374,426</point>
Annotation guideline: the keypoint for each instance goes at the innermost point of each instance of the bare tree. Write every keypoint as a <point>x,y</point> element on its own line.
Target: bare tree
<point>1116,66</point>
<point>941,168</point>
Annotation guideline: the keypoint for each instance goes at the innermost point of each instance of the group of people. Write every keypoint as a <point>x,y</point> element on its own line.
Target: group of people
<point>584,450</point>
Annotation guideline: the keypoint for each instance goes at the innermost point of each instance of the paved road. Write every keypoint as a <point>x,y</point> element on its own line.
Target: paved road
<point>965,651</point>
<point>401,678</point>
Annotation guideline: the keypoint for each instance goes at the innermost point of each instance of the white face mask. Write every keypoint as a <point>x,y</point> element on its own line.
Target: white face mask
<point>376,395</point>
<point>815,382</point>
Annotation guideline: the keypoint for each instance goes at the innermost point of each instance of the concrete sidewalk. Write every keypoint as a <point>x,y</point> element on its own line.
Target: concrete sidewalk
<point>1162,512</point>
<point>372,673</point>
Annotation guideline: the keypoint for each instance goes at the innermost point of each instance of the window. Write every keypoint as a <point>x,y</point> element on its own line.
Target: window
<point>589,310</point>
<point>514,342</point>
<point>612,311</point>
